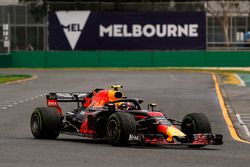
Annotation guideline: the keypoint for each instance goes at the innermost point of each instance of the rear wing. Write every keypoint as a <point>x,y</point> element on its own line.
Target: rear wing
<point>55,97</point>
<point>67,97</point>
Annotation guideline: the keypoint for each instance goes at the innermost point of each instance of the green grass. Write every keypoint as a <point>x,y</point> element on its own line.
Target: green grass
<point>13,77</point>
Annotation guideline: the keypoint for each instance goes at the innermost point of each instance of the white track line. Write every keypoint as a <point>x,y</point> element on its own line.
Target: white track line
<point>243,124</point>
<point>4,105</point>
<point>14,103</point>
<point>242,83</point>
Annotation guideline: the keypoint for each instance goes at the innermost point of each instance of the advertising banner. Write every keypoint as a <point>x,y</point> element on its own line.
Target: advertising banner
<point>85,30</point>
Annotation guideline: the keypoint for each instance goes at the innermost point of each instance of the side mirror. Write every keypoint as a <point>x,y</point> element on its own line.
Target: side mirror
<point>140,101</point>
<point>152,105</point>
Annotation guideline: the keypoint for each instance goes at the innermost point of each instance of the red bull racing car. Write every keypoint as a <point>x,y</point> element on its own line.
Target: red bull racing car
<point>108,114</point>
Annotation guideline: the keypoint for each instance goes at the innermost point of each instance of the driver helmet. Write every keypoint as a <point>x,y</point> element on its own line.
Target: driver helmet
<point>127,106</point>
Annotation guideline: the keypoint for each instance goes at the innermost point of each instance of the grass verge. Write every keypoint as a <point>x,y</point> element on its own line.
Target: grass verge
<point>4,78</point>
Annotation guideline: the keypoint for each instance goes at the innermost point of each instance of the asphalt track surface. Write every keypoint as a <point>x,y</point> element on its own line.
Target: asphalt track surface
<point>176,94</point>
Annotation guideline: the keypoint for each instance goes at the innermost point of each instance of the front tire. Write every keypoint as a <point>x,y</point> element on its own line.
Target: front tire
<point>119,126</point>
<point>195,123</point>
<point>45,123</point>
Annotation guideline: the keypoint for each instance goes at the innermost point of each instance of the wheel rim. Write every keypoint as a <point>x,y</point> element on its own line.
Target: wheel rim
<point>112,129</point>
<point>35,124</point>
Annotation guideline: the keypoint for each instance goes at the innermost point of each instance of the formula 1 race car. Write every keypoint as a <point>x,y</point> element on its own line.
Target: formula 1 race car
<point>107,114</point>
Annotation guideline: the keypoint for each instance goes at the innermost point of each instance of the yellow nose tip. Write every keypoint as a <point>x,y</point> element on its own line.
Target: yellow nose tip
<point>173,131</point>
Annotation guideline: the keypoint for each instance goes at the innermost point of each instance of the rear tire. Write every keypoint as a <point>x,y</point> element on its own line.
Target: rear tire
<point>195,123</point>
<point>45,123</point>
<point>119,126</point>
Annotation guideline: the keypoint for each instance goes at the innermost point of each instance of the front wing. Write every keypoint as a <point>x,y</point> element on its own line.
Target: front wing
<point>198,139</point>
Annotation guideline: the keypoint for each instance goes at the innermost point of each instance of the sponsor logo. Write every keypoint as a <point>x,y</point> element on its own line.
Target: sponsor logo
<point>149,30</point>
<point>134,138</point>
<point>52,103</point>
<point>73,23</point>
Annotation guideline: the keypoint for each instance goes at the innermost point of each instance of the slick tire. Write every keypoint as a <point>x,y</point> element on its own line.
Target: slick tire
<point>194,123</point>
<point>119,126</point>
<point>45,123</point>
